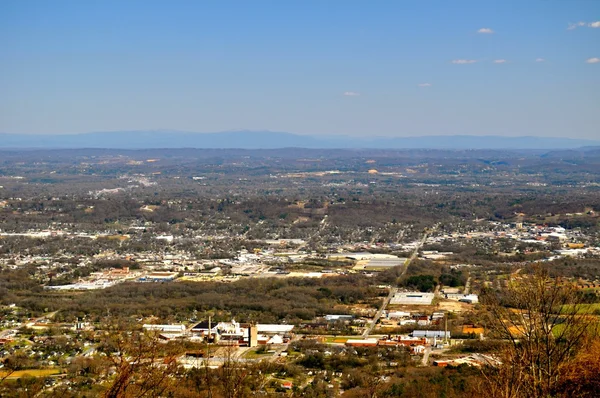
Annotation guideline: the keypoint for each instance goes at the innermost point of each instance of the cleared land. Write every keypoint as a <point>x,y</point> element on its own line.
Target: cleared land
<point>31,373</point>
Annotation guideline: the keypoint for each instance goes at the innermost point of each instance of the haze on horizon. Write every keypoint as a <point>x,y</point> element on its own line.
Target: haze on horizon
<point>385,68</point>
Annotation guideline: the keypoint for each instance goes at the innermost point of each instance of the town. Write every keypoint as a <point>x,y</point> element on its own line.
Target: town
<point>314,280</point>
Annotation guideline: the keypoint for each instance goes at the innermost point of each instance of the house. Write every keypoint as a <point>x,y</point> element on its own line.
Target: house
<point>437,316</point>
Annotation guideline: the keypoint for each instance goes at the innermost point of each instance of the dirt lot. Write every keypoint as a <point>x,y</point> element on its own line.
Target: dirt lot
<point>443,305</point>
<point>455,306</point>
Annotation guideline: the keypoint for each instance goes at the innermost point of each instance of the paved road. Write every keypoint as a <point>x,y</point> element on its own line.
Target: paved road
<point>278,350</point>
<point>436,292</point>
<point>394,290</point>
<point>425,360</point>
<point>387,300</point>
<point>48,316</point>
<point>8,333</point>
<point>467,285</point>
<point>415,252</point>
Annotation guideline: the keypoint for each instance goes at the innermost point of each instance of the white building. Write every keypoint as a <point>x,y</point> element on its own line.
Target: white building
<point>176,328</point>
<point>465,298</point>
<point>412,298</point>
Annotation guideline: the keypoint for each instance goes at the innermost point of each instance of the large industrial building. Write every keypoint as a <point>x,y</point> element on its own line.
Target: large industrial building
<point>243,334</point>
<point>412,298</point>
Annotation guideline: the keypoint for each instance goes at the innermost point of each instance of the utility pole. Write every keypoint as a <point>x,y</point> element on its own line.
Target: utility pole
<point>207,359</point>
<point>209,327</point>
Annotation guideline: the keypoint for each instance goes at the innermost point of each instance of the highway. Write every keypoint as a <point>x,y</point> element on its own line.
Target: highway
<point>387,300</point>
<point>415,252</point>
<point>394,290</point>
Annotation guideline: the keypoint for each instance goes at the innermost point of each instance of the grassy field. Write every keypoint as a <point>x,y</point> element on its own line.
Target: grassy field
<point>339,339</point>
<point>593,327</point>
<point>31,373</point>
<point>252,354</point>
<point>587,309</point>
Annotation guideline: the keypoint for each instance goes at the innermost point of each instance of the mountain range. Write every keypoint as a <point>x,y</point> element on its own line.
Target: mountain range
<point>274,140</point>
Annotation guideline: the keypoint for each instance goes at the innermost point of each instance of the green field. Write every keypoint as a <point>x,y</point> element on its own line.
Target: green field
<point>252,354</point>
<point>584,309</point>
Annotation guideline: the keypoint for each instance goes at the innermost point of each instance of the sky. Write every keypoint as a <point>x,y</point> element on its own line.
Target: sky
<point>338,67</point>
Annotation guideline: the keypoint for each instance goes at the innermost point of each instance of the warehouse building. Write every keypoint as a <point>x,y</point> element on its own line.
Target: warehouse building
<point>412,298</point>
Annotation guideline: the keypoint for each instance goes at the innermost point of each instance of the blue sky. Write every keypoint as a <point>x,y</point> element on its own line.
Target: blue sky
<point>387,68</point>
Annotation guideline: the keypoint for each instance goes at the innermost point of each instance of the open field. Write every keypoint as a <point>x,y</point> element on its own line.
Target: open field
<point>453,306</point>
<point>339,339</point>
<point>253,354</point>
<point>584,309</point>
<point>31,373</point>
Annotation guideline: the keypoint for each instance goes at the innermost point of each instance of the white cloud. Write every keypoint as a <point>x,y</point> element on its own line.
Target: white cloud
<point>594,60</point>
<point>581,24</point>
<point>463,61</point>
<point>425,84</point>
<point>539,60</point>
<point>500,61</point>
<point>351,94</point>
<point>485,30</point>
<point>575,25</point>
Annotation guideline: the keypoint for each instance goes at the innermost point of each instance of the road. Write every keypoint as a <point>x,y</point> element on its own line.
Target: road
<point>12,332</point>
<point>394,290</point>
<point>387,300</point>
<point>415,252</point>
<point>436,292</point>
<point>426,355</point>
<point>48,316</point>
<point>467,285</point>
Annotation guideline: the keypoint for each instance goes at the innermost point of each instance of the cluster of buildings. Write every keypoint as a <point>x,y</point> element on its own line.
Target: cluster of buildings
<point>403,318</point>
<point>476,360</point>
<point>113,276</point>
<point>417,345</point>
<point>279,257</point>
<point>564,242</point>
<point>227,333</point>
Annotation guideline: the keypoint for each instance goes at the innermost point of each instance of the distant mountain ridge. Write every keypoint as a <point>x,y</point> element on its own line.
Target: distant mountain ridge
<point>275,140</point>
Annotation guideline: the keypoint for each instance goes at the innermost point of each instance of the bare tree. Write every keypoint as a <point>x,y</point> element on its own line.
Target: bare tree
<point>544,327</point>
<point>233,378</point>
<point>142,368</point>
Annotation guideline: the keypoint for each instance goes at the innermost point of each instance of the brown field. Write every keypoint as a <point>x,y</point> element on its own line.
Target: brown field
<point>31,373</point>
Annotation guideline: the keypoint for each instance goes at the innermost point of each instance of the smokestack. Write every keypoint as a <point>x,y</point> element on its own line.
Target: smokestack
<point>445,327</point>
